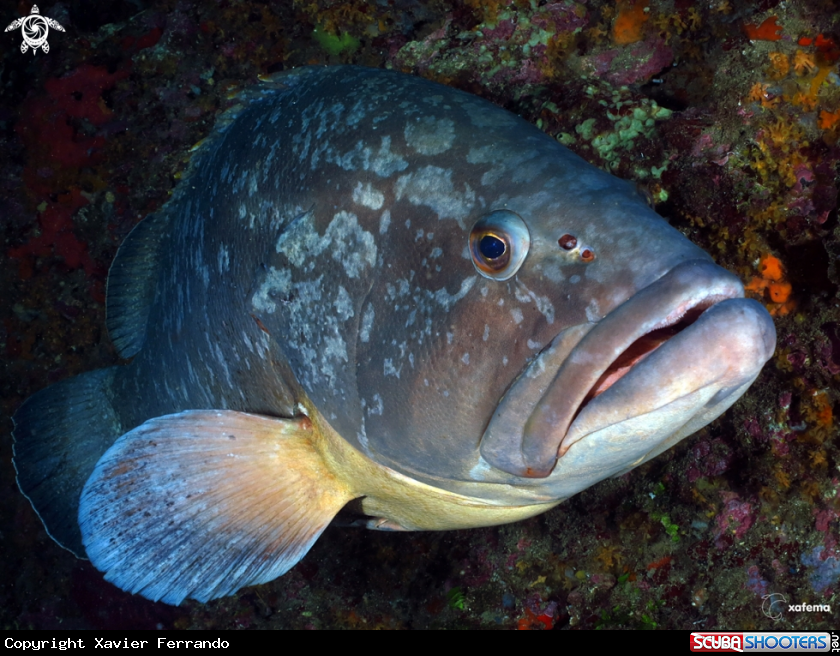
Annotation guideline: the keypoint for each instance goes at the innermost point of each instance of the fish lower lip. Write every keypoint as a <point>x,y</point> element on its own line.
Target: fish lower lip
<point>743,337</point>
<point>532,449</point>
<point>639,351</point>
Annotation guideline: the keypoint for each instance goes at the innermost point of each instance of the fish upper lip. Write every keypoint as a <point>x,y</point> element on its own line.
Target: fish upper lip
<point>531,448</point>
<point>744,338</point>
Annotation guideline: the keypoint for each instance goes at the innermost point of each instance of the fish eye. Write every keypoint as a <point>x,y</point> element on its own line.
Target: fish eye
<point>499,243</point>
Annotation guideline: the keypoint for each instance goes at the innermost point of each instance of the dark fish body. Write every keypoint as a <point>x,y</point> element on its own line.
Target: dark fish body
<point>374,287</point>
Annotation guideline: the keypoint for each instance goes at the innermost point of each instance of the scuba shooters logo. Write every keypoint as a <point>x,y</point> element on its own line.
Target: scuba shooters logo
<point>788,642</point>
<point>34,29</point>
<point>717,642</point>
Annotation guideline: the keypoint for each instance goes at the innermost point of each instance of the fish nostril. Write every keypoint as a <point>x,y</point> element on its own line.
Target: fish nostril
<point>570,243</point>
<point>567,242</point>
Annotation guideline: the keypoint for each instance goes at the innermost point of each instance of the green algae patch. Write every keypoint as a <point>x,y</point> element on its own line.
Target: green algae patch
<point>334,44</point>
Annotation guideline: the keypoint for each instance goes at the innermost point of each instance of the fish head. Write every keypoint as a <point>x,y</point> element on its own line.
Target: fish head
<point>512,317</point>
<point>589,337</point>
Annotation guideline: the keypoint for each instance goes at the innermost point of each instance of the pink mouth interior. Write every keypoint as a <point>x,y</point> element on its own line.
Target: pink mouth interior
<point>639,350</point>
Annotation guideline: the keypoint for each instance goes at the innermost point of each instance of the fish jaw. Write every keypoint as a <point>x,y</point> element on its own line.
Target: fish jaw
<point>711,360</point>
<point>664,387</point>
<point>660,401</point>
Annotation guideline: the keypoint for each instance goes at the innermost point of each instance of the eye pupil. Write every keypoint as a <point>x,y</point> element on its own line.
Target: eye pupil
<point>499,242</point>
<point>491,247</point>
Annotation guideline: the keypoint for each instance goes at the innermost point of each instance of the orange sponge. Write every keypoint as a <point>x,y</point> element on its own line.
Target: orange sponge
<point>779,291</point>
<point>628,24</point>
<point>770,268</point>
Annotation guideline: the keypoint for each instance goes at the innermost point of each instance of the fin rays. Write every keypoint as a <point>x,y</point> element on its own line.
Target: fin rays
<point>180,508</point>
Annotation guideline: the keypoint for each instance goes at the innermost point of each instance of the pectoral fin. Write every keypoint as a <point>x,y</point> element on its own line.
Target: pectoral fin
<point>201,503</point>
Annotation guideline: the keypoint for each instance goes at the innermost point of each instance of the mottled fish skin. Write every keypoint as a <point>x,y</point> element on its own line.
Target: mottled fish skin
<point>336,212</point>
<point>317,261</point>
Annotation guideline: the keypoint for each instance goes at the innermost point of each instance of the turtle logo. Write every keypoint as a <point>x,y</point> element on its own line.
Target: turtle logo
<point>773,605</point>
<point>34,29</point>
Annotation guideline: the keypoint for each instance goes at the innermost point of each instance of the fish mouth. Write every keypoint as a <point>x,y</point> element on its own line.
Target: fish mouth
<point>687,331</point>
<point>637,351</point>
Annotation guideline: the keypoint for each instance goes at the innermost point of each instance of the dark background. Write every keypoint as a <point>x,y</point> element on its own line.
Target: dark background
<point>93,136</point>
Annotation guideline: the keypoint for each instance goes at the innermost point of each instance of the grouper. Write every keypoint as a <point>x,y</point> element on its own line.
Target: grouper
<point>375,292</point>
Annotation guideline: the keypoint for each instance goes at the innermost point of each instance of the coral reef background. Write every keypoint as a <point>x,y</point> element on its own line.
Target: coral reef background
<point>727,116</point>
